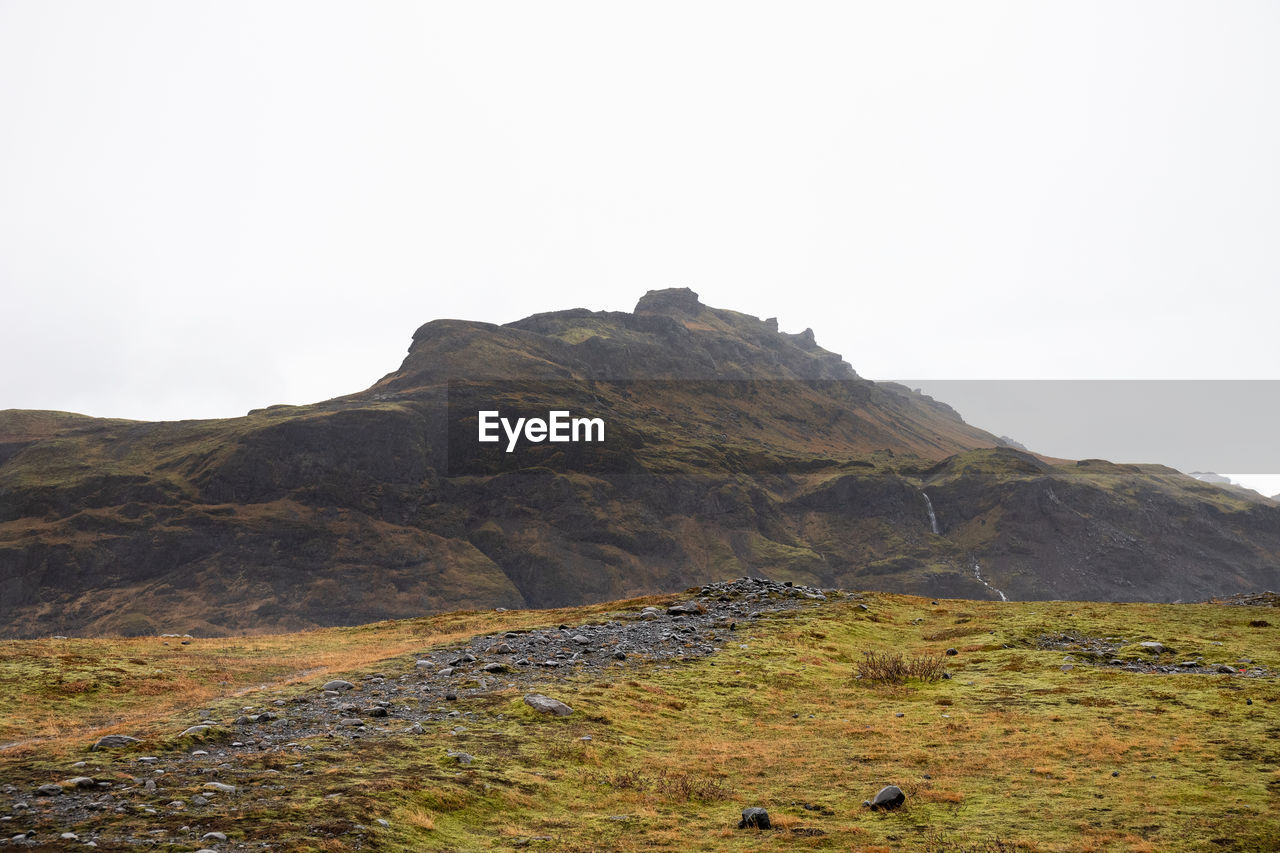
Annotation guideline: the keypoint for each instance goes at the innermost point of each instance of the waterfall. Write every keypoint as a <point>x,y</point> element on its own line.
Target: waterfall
<point>977,573</point>
<point>933,519</point>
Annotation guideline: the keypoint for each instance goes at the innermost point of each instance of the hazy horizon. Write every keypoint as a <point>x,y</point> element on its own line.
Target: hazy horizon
<point>206,209</point>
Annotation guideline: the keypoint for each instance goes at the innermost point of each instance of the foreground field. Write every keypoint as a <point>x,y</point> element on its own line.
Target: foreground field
<point>1036,741</point>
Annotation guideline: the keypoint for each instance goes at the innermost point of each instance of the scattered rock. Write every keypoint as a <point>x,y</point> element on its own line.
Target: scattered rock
<point>49,790</point>
<point>547,705</point>
<point>888,797</point>
<point>755,818</point>
<point>220,787</point>
<point>113,742</point>
<point>339,684</point>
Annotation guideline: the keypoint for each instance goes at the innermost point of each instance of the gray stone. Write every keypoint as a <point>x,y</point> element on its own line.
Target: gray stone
<point>495,667</point>
<point>113,742</point>
<point>81,782</point>
<point>339,684</point>
<point>688,608</point>
<point>1152,646</point>
<point>888,797</point>
<point>547,705</point>
<point>755,818</point>
<point>213,836</point>
<point>220,787</point>
<point>195,730</point>
<point>49,790</point>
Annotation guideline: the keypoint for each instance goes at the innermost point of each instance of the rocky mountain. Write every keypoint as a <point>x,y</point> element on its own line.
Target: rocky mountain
<point>729,448</point>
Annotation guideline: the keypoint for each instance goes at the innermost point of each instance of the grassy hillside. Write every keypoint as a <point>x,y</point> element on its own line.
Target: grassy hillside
<point>1036,742</point>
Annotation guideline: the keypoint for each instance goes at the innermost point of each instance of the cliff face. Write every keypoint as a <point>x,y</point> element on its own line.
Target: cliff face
<point>731,448</point>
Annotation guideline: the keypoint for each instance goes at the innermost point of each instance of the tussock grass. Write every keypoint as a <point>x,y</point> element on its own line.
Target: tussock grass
<point>896,668</point>
<point>1010,754</point>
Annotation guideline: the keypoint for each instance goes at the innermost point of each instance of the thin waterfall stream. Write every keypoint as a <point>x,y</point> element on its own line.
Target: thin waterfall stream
<point>977,573</point>
<point>933,519</point>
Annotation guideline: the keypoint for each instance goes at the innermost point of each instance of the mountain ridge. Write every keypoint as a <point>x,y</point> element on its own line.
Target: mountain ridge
<point>732,448</point>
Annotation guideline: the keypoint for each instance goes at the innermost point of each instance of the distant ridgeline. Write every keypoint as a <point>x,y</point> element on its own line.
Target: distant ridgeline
<point>699,444</point>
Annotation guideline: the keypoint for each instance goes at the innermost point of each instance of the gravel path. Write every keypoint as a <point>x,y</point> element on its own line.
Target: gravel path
<point>200,782</point>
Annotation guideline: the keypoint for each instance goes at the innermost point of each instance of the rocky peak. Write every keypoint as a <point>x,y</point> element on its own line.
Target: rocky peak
<point>671,301</point>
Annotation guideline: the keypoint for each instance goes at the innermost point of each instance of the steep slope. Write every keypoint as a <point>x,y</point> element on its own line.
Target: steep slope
<point>730,447</point>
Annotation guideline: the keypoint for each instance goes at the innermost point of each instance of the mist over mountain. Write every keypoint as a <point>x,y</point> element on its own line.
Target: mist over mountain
<point>730,448</point>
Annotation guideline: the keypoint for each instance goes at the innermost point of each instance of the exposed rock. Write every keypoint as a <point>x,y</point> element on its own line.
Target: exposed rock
<point>888,797</point>
<point>113,742</point>
<point>339,684</point>
<point>547,705</point>
<point>755,818</point>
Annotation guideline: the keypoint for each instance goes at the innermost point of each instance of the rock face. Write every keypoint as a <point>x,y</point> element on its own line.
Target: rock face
<point>731,447</point>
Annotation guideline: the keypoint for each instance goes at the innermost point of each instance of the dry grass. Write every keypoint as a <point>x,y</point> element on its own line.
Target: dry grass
<point>896,668</point>
<point>1019,755</point>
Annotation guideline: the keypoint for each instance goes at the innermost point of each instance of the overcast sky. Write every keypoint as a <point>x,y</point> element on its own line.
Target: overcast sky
<point>209,207</point>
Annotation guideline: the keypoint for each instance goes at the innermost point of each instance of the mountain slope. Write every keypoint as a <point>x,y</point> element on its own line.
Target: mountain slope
<point>730,448</point>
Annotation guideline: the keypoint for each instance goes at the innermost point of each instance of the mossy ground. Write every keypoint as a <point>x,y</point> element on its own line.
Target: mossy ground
<point>1012,750</point>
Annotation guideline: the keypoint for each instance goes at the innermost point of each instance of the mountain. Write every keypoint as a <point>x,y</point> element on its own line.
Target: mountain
<point>729,448</point>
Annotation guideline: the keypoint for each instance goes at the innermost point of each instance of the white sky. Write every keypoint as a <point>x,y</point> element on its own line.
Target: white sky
<point>209,207</point>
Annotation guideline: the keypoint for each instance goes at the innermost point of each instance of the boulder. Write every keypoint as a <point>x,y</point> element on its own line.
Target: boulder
<point>113,742</point>
<point>888,797</point>
<point>755,818</point>
<point>547,705</point>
